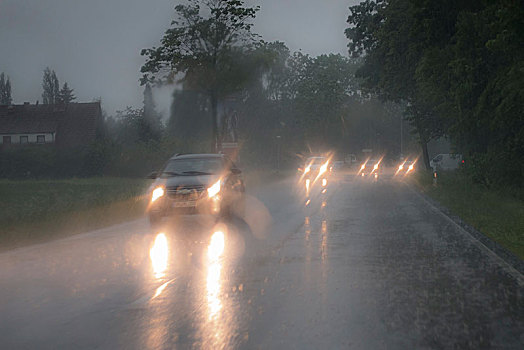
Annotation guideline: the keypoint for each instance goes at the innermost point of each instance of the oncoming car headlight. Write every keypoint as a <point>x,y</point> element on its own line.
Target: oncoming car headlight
<point>214,190</point>
<point>157,193</point>
<point>323,168</point>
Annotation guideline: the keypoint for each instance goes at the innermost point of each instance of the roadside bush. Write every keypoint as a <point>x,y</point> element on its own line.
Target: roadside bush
<point>28,162</point>
<point>496,169</point>
<point>45,161</point>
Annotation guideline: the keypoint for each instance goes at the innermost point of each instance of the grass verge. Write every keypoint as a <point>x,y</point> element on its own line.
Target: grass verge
<point>38,210</point>
<point>495,213</point>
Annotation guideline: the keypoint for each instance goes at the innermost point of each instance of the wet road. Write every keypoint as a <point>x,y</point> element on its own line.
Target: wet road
<point>365,266</point>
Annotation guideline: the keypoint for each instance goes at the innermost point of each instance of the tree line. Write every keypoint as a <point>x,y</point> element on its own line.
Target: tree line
<point>458,66</point>
<point>312,104</point>
<point>52,93</point>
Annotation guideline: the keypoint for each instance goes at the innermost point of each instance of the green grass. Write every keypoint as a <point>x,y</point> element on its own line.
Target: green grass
<point>34,211</point>
<point>37,210</point>
<point>497,214</point>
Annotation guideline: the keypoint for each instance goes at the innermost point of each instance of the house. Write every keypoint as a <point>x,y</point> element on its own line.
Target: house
<point>65,127</point>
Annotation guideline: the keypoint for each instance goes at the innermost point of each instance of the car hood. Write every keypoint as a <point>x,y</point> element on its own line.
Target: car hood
<point>193,180</point>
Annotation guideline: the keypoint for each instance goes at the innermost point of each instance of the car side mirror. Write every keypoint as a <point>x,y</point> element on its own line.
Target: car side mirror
<point>153,175</point>
<point>235,171</point>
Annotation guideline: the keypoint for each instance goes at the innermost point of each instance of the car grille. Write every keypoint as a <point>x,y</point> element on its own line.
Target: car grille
<point>185,193</point>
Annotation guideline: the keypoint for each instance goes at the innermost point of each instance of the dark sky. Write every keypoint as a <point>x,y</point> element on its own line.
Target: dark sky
<point>95,45</point>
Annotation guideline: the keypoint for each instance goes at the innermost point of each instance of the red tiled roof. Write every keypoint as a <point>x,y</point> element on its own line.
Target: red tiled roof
<point>21,119</point>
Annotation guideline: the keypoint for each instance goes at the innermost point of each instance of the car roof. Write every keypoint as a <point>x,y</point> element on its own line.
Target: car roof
<point>197,155</point>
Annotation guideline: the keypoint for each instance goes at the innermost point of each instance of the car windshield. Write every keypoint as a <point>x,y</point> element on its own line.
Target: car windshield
<point>193,166</point>
<point>316,160</point>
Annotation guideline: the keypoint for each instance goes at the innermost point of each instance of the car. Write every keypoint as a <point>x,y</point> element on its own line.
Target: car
<point>446,161</point>
<point>406,167</point>
<point>196,184</point>
<point>370,168</point>
<point>315,172</point>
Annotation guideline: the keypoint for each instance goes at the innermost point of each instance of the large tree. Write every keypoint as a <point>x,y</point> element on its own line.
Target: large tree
<point>198,48</point>
<point>5,90</point>
<point>51,87</point>
<point>386,35</point>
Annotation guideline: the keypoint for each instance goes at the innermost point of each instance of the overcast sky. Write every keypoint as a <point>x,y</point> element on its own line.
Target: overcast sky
<point>95,45</point>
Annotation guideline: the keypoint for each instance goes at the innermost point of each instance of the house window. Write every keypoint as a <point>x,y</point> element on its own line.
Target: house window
<point>40,138</point>
<point>6,140</point>
<point>23,139</point>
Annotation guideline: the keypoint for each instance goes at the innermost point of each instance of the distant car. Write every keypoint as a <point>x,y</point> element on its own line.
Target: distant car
<point>195,184</point>
<point>445,161</point>
<point>406,167</point>
<point>315,172</point>
<point>370,168</point>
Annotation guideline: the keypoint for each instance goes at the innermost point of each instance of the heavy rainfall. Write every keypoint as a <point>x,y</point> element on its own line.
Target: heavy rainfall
<point>238,174</point>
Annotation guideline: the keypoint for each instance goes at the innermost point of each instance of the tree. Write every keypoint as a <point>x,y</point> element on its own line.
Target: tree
<point>198,47</point>
<point>393,38</point>
<point>65,95</point>
<point>51,87</point>
<point>5,90</point>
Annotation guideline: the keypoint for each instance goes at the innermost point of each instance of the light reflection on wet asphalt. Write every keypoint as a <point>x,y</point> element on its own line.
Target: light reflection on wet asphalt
<point>364,265</point>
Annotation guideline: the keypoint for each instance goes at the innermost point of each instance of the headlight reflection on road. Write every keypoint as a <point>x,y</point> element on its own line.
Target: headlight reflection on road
<point>307,186</point>
<point>307,228</point>
<point>323,244</point>
<point>159,254</point>
<point>215,251</point>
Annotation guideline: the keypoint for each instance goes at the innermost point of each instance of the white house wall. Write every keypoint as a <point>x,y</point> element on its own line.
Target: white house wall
<point>31,138</point>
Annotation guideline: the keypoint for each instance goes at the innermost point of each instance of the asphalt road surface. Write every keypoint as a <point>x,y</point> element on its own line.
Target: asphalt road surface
<point>365,266</point>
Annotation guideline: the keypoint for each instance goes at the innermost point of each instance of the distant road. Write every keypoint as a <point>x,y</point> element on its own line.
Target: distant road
<point>366,266</point>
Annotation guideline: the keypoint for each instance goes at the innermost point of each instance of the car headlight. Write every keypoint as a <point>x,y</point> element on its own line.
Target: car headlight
<point>323,168</point>
<point>214,190</point>
<point>157,193</point>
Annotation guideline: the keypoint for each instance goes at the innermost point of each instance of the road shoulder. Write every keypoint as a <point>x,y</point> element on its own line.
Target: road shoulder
<point>504,254</point>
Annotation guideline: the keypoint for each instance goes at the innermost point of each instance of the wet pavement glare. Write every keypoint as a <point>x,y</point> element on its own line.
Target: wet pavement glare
<point>366,265</point>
